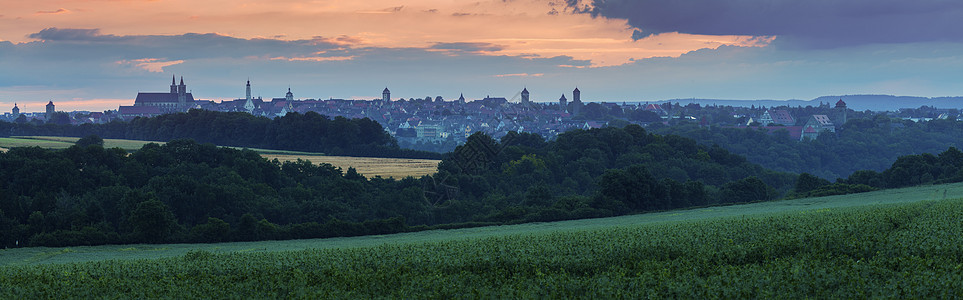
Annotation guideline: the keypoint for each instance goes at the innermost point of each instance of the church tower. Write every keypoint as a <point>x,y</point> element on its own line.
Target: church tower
<point>249,103</point>
<point>248,91</point>
<point>15,111</point>
<point>461,99</point>
<point>289,96</point>
<point>525,99</point>
<point>386,95</point>
<point>562,103</point>
<point>173,84</point>
<point>182,95</point>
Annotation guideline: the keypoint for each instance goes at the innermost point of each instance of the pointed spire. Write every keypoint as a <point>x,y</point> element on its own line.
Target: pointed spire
<point>173,79</point>
<point>182,80</point>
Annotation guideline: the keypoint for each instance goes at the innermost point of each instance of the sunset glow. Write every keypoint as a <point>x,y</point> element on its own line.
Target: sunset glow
<point>617,50</point>
<point>525,27</point>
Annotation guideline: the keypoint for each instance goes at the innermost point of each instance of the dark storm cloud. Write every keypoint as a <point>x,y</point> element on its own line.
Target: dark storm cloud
<point>814,24</point>
<point>78,43</point>
<point>73,34</point>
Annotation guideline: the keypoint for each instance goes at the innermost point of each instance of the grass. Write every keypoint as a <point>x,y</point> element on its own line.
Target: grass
<point>369,166</point>
<point>42,255</point>
<point>905,243</point>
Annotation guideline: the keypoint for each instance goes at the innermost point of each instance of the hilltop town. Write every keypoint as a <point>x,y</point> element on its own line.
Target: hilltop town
<point>437,124</point>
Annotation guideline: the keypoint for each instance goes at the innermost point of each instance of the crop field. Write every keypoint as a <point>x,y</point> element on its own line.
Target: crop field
<point>367,166</point>
<point>370,166</point>
<point>902,243</point>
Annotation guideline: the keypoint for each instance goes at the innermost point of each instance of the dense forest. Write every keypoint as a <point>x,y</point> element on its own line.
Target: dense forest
<point>184,191</point>
<point>870,143</point>
<point>310,132</point>
<point>589,173</point>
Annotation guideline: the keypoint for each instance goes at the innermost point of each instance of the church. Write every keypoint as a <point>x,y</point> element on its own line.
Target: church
<point>178,100</point>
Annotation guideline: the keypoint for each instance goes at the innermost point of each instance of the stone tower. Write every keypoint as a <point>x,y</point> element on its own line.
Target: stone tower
<point>289,96</point>
<point>50,110</point>
<point>525,94</point>
<point>386,95</point>
<point>562,103</point>
<point>841,111</point>
<point>15,111</point>
<point>576,101</point>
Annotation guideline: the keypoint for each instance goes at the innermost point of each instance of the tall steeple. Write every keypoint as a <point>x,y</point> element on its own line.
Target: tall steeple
<point>249,103</point>
<point>289,96</point>
<point>173,84</point>
<point>248,90</point>
<point>181,88</point>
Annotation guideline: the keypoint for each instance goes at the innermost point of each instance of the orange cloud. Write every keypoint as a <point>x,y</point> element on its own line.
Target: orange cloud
<point>53,12</point>
<point>150,64</point>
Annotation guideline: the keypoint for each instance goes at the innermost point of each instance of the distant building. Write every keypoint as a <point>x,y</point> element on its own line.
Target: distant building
<point>50,110</point>
<point>776,116</point>
<point>177,100</point>
<point>841,111</point>
<point>525,99</point>
<point>562,103</point>
<point>15,111</point>
<point>461,99</point>
<point>817,124</point>
<point>289,96</point>
<point>130,112</point>
<point>248,101</point>
<point>386,95</point>
<point>576,101</point>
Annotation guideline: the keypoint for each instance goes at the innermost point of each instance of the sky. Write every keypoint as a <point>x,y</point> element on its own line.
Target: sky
<point>97,54</point>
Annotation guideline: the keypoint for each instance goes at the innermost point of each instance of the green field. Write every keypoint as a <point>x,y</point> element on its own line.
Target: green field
<point>903,243</point>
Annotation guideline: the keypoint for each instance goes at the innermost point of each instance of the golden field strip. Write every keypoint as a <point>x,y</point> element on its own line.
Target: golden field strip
<point>367,166</point>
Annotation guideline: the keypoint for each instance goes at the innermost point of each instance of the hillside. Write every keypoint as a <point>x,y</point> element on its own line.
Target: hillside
<point>894,243</point>
<point>855,102</point>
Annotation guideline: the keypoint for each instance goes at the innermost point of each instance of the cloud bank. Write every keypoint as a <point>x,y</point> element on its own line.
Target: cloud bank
<point>813,24</point>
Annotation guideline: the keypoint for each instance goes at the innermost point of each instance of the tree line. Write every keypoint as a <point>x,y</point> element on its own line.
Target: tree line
<point>309,132</point>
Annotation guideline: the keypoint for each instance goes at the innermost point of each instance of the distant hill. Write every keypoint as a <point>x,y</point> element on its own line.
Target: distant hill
<point>855,102</point>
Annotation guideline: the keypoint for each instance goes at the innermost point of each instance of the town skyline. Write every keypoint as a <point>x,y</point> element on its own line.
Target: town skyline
<point>95,55</point>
